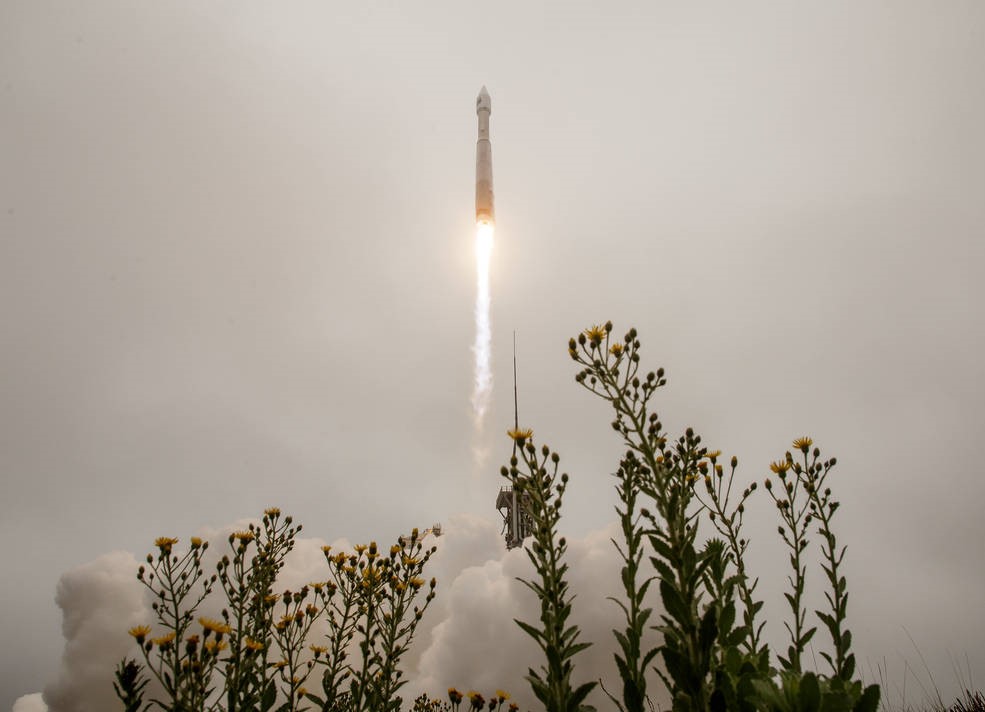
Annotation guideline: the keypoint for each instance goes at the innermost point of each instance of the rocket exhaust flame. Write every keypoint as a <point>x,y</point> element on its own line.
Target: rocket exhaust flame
<point>483,326</point>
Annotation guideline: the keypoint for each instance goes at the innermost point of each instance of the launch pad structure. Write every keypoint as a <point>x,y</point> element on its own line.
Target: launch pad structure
<point>517,520</point>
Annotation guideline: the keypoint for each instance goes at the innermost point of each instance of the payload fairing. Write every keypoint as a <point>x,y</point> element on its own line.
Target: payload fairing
<point>484,212</point>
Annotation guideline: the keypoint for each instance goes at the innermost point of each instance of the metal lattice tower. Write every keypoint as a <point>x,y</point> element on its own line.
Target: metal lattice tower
<point>513,507</point>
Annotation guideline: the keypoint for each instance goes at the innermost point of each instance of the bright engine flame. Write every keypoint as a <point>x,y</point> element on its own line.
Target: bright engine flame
<point>483,327</point>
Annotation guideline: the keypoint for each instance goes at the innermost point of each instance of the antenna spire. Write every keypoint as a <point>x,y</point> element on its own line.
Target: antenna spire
<point>516,411</point>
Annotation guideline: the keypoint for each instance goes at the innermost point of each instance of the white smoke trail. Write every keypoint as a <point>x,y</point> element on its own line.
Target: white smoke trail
<point>483,329</point>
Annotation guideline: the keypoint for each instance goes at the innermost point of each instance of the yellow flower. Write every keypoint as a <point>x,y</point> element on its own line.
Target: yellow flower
<point>713,455</point>
<point>214,646</point>
<point>595,334</point>
<point>454,695</point>
<point>520,434</point>
<point>360,548</point>
<point>416,583</point>
<point>164,543</point>
<point>253,645</point>
<point>410,561</point>
<point>218,627</point>
<point>280,664</point>
<point>780,467</point>
<point>616,349</point>
<point>272,512</point>
<point>196,542</point>
<point>244,537</point>
<point>803,444</point>
<point>503,696</point>
<point>164,640</point>
<point>476,700</point>
<point>318,649</point>
<point>140,632</point>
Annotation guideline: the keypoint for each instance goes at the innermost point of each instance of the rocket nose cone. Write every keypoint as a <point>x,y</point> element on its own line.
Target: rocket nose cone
<point>483,101</point>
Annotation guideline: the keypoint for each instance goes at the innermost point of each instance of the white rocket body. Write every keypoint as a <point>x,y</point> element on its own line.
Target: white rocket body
<point>484,212</point>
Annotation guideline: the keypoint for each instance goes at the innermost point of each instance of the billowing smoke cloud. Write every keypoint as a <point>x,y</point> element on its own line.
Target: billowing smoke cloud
<point>30,703</point>
<point>467,639</point>
<point>100,601</point>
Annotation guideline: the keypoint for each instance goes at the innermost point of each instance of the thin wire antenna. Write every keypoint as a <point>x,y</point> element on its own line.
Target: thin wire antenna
<point>516,410</point>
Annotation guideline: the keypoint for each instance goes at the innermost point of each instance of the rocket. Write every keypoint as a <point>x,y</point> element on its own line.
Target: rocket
<point>484,213</point>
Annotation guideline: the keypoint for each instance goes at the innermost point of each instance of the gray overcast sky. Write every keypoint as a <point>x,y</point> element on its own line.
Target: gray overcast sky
<point>236,271</point>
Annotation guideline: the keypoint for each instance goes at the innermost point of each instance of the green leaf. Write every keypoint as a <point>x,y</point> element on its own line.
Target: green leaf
<point>809,699</point>
<point>674,604</point>
<point>708,632</point>
<point>677,667</point>
<point>869,701</point>
<point>836,702</point>
<point>806,637</point>
<point>534,633</point>
<point>269,696</point>
<point>717,702</point>
<point>579,695</point>
<point>727,618</point>
<point>849,667</point>
<point>631,695</point>
<point>768,695</point>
